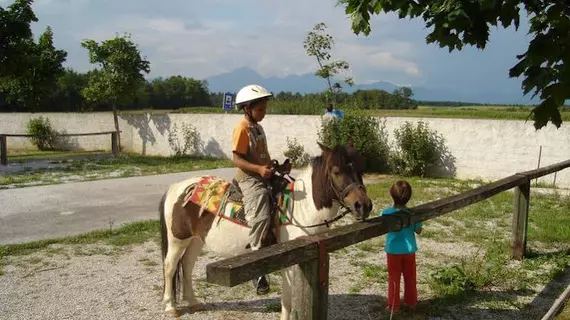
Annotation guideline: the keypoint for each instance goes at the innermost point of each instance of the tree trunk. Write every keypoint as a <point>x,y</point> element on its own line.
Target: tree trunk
<point>116,119</point>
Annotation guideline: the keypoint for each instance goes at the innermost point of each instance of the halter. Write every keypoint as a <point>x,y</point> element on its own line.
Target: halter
<point>340,195</point>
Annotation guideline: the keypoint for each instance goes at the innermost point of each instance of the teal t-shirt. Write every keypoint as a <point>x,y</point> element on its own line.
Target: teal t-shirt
<point>403,241</point>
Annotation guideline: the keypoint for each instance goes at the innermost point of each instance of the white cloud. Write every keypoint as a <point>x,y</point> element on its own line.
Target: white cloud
<point>205,38</point>
<point>207,46</point>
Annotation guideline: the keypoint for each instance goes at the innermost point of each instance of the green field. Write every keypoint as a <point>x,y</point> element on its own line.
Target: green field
<point>468,112</point>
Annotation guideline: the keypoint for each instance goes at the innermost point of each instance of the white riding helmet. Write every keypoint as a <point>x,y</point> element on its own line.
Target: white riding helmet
<point>250,93</point>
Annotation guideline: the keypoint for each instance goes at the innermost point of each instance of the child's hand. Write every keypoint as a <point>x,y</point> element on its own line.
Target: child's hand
<point>265,171</point>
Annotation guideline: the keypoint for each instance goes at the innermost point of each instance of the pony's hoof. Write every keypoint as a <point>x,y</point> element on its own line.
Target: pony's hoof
<point>173,313</point>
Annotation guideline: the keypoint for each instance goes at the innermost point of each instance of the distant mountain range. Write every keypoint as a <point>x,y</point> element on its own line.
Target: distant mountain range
<point>309,83</point>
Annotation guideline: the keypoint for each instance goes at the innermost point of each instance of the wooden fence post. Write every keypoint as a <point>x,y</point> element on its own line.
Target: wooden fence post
<point>520,219</point>
<point>3,151</point>
<point>310,290</point>
<point>114,144</point>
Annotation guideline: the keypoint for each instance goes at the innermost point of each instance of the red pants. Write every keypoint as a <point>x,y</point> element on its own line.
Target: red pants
<point>399,264</point>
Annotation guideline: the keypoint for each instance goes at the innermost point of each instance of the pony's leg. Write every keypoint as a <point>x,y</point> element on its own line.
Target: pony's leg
<point>189,258</point>
<point>175,250</point>
<point>286,297</point>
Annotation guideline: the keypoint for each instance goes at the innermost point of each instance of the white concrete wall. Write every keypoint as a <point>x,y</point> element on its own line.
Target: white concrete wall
<point>487,149</point>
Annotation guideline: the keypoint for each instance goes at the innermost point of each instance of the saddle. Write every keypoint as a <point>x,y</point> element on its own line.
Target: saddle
<point>225,199</point>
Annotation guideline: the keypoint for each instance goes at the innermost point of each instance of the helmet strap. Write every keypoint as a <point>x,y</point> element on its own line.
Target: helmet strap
<point>249,115</point>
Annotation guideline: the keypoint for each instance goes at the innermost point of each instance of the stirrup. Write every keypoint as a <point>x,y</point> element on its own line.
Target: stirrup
<point>261,285</point>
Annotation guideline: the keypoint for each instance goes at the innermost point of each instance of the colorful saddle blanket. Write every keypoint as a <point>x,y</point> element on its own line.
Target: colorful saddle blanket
<point>212,193</point>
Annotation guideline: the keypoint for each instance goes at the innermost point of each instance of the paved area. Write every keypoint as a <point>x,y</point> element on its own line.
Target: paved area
<point>44,212</point>
<point>35,213</point>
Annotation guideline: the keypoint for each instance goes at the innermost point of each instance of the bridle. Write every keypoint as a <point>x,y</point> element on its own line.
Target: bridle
<point>340,195</point>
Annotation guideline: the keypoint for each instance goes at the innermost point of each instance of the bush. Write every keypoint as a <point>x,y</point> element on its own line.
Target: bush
<point>44,136</point>
<point>296,152</point>
<point>368,135</point>
<point>420,151</point>
<point>192,142</point>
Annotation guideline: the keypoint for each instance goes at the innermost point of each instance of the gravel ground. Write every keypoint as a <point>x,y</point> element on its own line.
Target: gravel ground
<point>106,282</point>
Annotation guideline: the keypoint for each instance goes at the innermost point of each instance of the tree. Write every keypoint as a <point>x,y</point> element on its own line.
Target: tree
<point>28,70</point>
<point>457,23</point>
<point>318,44</point>
<point>15,36</point>
<point>119,77</point>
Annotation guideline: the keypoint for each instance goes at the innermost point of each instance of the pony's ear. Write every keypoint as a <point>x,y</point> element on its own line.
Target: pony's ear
<point>356,158</point>
<point>325,149</point>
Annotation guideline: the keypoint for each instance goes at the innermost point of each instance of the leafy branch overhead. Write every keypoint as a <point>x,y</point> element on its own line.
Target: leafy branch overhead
<point>456,23</point>
<point>318,44</point>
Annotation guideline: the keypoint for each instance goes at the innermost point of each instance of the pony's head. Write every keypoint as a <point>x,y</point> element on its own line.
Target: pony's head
<point>337,176</point>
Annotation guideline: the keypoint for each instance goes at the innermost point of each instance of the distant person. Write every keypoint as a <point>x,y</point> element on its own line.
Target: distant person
<point>401,250</point>
<point>332,113</point>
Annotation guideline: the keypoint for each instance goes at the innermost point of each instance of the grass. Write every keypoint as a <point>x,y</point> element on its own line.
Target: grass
<point>129,234</point>
<point>565,313</point>
<point>467,112</point>
<point>127,165</point>
<point>17,154</point>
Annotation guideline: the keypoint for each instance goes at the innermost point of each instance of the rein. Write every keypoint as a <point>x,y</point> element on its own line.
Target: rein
<point>340,194</point>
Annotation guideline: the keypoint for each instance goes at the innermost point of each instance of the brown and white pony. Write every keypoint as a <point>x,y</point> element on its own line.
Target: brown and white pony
<point>332,180</point>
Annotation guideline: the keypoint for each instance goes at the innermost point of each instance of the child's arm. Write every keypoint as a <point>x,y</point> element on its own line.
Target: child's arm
<point>418,228</point>
<point>245,165</point>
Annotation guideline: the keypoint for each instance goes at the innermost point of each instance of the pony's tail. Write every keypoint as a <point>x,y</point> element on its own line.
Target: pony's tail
<point>164,250</point>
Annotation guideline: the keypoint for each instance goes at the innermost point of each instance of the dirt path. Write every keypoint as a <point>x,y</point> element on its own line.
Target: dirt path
<point>107,282</point>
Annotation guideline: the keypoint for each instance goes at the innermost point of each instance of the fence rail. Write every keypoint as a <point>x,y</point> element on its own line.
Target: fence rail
<point>311,254</point>
<point>4,141</point>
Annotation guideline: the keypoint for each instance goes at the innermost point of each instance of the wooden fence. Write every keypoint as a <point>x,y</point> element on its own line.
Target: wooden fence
<point>4,141</point>
<point>310,258</point>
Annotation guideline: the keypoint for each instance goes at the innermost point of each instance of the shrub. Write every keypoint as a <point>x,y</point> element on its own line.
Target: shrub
<point>296,152</point>
<point>367,133</point>
<point>420,151</point>
<point>44,136</point>
<point>191,140</point>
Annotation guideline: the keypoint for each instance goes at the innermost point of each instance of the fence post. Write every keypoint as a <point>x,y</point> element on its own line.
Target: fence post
<point>114,145</point>
<point>520,219</point>
<point>3,151</point>
<point>309,292</point>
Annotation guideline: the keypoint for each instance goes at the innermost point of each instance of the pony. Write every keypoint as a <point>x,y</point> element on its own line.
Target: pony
<point>199,213</point>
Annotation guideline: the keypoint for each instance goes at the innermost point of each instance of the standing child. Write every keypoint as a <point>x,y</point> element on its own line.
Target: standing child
<point>401,250</point>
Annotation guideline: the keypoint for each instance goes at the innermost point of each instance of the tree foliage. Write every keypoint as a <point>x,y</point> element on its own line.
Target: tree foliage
<point>121,69</point>
<point>318,44</point>
<point>120,75</point>
<point>15,36</point>
<point>456,23</point>
<point>28,70</point>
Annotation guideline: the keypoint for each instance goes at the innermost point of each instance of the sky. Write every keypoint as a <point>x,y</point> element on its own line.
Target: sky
<point>205,38</point>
